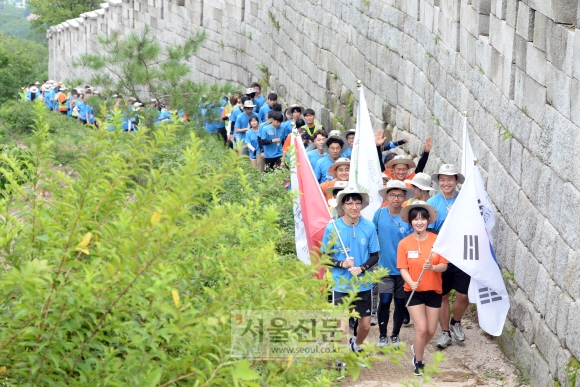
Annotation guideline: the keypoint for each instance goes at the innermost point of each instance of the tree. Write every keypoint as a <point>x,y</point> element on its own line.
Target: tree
<point>15,72</point>
<point>55,12</point>
<point>34,53</point>
<point>138,66</point>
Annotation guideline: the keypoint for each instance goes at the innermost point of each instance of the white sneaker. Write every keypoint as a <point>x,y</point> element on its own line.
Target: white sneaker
<point>396,341</point>
<point>383,342</point>
<point>457,331</point>
<point>444,340</point>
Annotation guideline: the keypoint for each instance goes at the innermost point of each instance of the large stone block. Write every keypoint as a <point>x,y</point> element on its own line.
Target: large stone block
<point>536,63</point>
<point>573,338</point>
<point>525,22</point>
<point>523,315</point>
<point>560,266</point>
<point>467,46</point>
<point>572,284</point>
<point>540,30</point>
<point>562,323</point>
<point>551,316</point>
<point>451,9</point>
<point>529,95</point>
<point>542,284</point>
<point>526,271</point>
<point>558,89</point>
<point>504,244</point>
<point>549,346</point>
<point>502,37</point>
<point>515,166</point>
<point>520,52</point>
<point>469,19</point>
<point>559,47</point>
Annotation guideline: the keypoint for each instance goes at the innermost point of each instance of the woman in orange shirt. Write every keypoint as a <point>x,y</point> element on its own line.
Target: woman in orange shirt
<point>412,258</point>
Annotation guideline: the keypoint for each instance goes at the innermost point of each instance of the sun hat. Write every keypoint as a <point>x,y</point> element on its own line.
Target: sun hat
<point>152,100</point>
<point>422,181</point>
<point>250,90</point>
<point>295,106</point>
<point>385,176</point>
<point>249,104</point>
<point>400,160</point>
<point>34,89</point>
<point>339,185</point>
<point>137,104</point>
<point>344,143</point>
<point>63,88</point>
<point>396,184</point>
<point>338,163</point>
<point>419,203</point>
<point>37,83</point>
<point>348,191</point>
<point>347,132</point>
<point>449,170</point>
<point>45,87</point>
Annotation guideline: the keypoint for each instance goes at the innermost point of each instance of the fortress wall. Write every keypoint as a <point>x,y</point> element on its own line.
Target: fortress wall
<point>514,66</point>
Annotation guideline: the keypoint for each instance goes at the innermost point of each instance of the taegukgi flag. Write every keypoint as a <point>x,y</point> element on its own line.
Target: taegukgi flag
<point>463,240</point>
<point>365,168</point>
<point>311,213</point>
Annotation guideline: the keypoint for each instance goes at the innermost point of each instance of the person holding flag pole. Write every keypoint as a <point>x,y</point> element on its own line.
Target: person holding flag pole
<point>421,270</point>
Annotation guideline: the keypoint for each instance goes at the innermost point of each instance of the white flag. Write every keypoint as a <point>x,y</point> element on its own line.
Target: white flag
<point>302,250</point>
<point>365,168</point>
<point>463,241</point>
<point>467,157</point>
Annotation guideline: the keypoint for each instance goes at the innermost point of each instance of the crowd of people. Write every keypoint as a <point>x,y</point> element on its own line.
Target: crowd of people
<point>79,104</point>
<point>399,238</point>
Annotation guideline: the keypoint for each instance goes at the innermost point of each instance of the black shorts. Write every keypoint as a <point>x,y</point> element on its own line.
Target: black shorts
<point>429,298</point>
<point>273,163</point>
<point>455,278</point>
<point>392,284</point>
<point>363,305</point>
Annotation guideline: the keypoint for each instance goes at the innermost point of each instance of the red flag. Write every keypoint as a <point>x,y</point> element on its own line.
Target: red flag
<point>312,216</point>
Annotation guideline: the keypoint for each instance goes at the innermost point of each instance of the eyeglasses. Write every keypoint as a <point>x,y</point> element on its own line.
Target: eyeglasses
<point>393,196</point>
<point>352,204</point>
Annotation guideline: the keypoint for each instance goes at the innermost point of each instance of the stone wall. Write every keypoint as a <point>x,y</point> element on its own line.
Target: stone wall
<point>514,66</point>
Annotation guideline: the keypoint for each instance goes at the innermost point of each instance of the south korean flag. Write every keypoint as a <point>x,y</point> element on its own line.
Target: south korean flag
<point>463,240</point>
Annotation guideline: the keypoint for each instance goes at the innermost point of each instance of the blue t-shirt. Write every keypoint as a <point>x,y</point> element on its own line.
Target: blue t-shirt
<point>441,205</point>
<point>287,126</point>
<point>274,149</point>
<point>347,153</point>
<point>313,157</point>
<point>360,248</point>
<point>82,109</point>
<point>391,230</point>
<point>321,169</point>
<point>91,114</point>
<point>252,138</point>
<point>259,101</point>
<point>164,115</point>
<point>242,122</point>
<point>264,110</point>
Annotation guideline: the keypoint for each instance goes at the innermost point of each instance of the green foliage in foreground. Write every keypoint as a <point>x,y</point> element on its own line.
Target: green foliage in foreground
<point>92,261</point>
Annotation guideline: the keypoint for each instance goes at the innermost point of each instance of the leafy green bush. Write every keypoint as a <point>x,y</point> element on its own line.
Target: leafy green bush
<point>111,282</point>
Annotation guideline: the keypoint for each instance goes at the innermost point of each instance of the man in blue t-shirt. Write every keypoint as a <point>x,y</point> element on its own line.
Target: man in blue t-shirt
<point>271,139</point>
<point>334,146</point>
<point>272,99</point>
<point>259,101</point>
<point>391,230</point>
<point>242,124</point>
<point>453,277</point>
<point>319,138</point>
<point>359,253</point>
<point>349,137</point>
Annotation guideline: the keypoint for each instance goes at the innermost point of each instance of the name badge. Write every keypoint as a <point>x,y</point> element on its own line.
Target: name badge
<point>413,254</point>
<point>271,133</point>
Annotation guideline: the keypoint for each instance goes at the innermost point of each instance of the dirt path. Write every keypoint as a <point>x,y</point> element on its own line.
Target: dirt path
<point>476,362</point>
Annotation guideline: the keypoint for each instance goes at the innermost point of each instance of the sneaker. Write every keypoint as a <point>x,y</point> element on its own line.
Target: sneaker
<point>351,340</point>
<point>419,368</point>
<point>351,322</point>
<point>457,331</point>
<point>444,341</point>
<point>413,352</point>
<point>340,366</point>
<point>353,347</point>
<point>407,318</point>
<point>396,341</point>
<point>383,342</point>
<point>373,321</point>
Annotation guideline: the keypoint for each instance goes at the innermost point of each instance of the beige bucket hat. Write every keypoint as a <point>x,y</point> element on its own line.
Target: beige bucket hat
<point>338,185</point>
<point>338,163</point>
<point>396,184</point>
<point>422,181</point>
<point>400,160</point>
<point>351,190</point>
<point>419,203</point>
<point>450,170</point>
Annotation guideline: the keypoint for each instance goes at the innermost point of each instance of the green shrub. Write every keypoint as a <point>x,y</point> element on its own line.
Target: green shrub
<point>112,282</point>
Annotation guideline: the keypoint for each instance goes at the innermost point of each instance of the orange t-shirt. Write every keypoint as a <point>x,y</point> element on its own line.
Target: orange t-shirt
<point>408,247</point>
<point>410,177</point>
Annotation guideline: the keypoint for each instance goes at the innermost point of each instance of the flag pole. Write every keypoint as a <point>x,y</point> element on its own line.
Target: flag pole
<point>419,279</point>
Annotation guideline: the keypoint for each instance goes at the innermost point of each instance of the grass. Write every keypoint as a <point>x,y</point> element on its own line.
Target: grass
<point>573,370</point>
<point>522,380</point>
<point>275,22</point>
